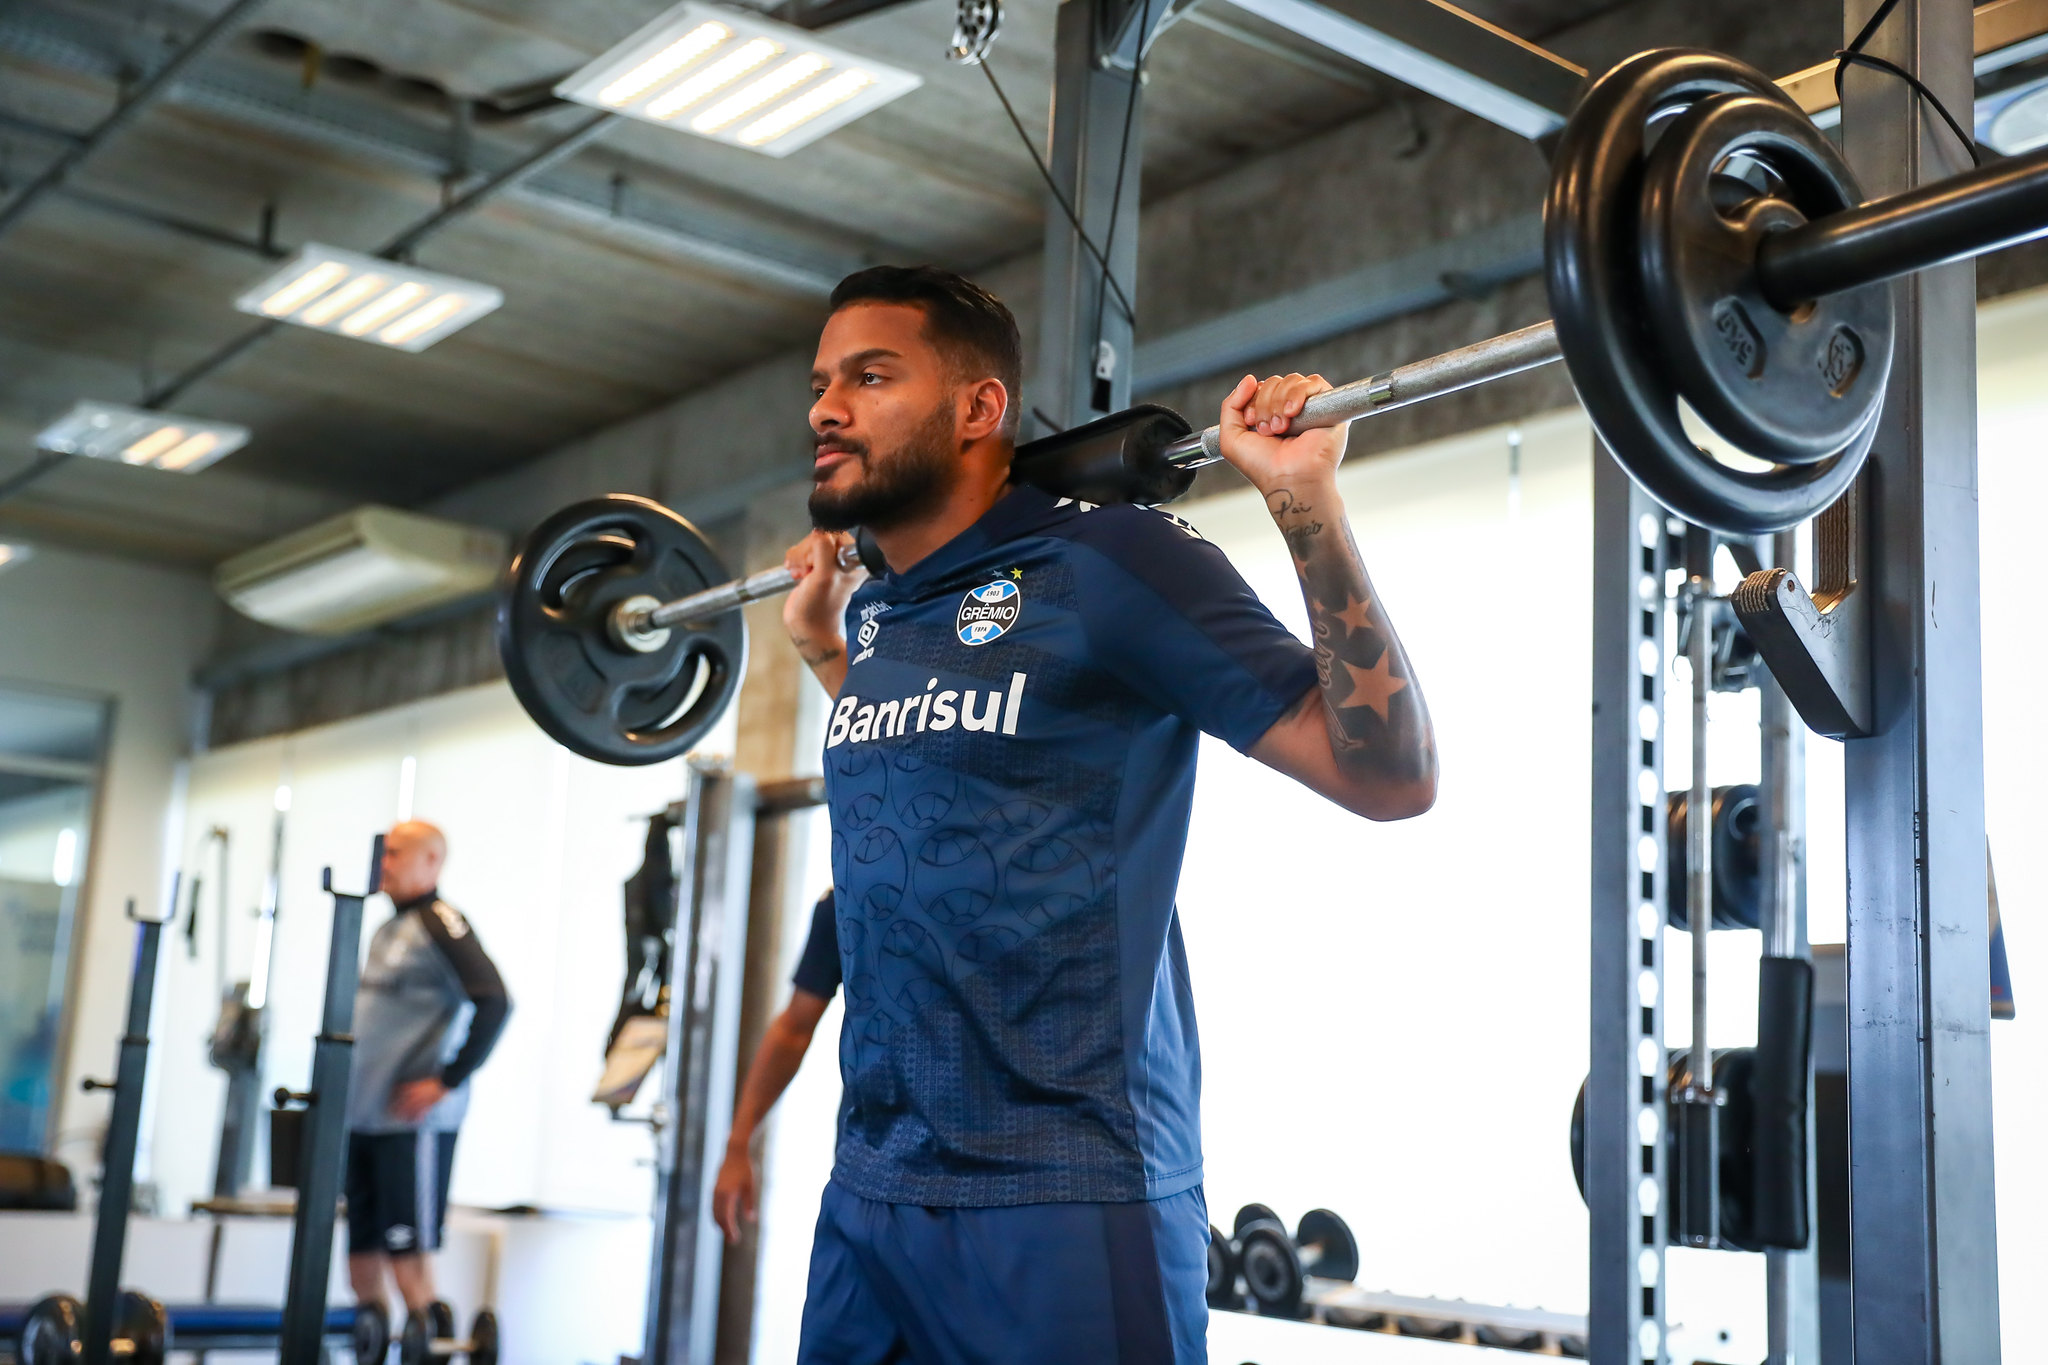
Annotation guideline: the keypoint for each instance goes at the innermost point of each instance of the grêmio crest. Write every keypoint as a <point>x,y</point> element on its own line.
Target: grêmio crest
<point>986,612</point>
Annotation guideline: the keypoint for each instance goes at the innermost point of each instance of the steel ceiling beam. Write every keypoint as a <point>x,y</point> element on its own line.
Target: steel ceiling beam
<point>153,88</point>
<point>1442,51</point>
<point>1473,264</point>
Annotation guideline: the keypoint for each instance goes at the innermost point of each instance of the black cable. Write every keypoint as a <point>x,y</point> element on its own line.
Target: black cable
<point>43,464</point>
<point>1847,58</point>
<point>1116,194</point>
<point>1059,198</point>
<point>1854,55</point>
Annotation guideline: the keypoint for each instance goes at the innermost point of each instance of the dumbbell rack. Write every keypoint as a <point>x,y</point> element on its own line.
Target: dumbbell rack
<point>1450,1320</point>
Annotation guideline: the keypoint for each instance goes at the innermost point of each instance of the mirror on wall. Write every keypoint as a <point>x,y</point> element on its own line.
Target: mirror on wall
<point>50,749</point>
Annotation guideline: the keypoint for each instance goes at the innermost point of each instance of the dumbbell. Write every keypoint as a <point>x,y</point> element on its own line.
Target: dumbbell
<point>1276,1267</point>
<point>430,1336</point>
<point>53,1333</point>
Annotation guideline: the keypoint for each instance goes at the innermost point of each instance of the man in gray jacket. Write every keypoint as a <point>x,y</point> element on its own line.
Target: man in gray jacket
<point>428,1011</point>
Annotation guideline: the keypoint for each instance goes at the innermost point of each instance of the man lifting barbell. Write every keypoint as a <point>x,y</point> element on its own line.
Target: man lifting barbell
<point>1009,767</point>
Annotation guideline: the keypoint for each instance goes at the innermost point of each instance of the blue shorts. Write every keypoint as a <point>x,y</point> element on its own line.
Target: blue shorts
<point>1031,1284</point>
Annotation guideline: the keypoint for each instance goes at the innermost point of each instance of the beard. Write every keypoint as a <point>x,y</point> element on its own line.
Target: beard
<point>903,485</point>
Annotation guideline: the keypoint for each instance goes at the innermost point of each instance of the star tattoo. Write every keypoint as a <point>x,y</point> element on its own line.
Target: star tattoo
<point>1357,613</point>
<point>1375,686</point>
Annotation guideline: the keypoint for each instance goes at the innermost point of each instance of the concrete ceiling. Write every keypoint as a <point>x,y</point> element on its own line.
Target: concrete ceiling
<point>647,266</point>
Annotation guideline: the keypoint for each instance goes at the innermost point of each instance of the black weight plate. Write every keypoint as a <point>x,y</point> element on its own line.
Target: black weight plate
<point>1737,1123</point>
<point>1250,1214</point>
<point>144,1323</point>
<point>1738,857</point>
<point>589,692</point>
<point>1737,845</point>
<point>1793,387</point>
<point>1221,1288</point>
<point>483,1338</point>
<point>1579,1140</point>
<point>441,1318</point>
<point>1271,1268</point>
<point>1609,334</point>
<point>1328,1250</point>
<point>1430,1329</point>
<point>415,1343</point>
<point>370,1334</point>
<point>53,1333</point>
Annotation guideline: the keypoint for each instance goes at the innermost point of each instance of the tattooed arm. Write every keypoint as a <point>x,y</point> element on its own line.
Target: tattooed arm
<point>815,610</point>
<point>1361,736</point>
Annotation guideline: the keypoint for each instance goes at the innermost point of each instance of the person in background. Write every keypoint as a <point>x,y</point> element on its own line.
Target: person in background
<point>815,981</point>
<point>429,1009</point>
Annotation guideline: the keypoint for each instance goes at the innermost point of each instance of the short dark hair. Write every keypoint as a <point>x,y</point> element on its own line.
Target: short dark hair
<point>970,327</point>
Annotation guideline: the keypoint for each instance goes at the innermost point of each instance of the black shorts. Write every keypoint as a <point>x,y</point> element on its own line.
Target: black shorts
<point>397,1190</point>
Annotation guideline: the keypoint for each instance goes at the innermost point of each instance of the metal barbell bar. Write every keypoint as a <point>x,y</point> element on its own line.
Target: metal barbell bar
<point>643,623</point>
<point>1705,248</point>
<point>1967,215</point>
<point>1971,214</point>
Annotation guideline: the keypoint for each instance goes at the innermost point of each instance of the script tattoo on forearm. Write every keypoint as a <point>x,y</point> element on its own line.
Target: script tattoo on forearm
<point>1372,704</point>
<point>817,653</point>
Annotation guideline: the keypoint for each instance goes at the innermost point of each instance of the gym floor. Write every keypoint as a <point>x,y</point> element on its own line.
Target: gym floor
<point>1401,1047</point>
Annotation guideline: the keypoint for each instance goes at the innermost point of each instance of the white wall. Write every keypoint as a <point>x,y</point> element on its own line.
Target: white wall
<point>539,844</point>
<point>134,634</point>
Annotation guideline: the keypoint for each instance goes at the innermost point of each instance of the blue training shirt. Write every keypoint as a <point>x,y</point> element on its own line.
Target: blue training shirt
<point>1010,767</point>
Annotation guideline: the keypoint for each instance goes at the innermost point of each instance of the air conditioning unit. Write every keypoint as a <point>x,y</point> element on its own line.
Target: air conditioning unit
<point>360,569</point>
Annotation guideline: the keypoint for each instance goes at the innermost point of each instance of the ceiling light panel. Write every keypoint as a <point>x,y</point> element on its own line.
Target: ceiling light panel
<point>375,300</point>
<point>157,440</point>
<point>738,78</point>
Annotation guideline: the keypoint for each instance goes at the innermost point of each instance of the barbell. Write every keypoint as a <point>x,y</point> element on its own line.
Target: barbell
<point>1706,249</point>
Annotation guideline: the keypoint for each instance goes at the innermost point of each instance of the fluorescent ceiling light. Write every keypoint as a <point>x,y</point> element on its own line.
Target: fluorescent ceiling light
<point>14,554</point>
<point>2015,121</point>
<point>158,440</point>
<point>738,78</point>
<point>353,295</point>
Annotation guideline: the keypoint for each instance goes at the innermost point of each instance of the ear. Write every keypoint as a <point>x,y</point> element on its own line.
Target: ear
<point>987,404</point>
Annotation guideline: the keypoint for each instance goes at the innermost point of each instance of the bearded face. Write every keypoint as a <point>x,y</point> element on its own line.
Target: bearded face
<point>888,487</point>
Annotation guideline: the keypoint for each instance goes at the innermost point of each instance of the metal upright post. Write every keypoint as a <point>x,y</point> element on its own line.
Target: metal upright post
<point>1922,1215</point>
<point>1084,351</point>
<point>1792,1278</point>
<point>699,1066</point>
<point>300,1339</point>
<point>1626,1180</point>
<point>1696,1212</point>
<point>117,1161</point>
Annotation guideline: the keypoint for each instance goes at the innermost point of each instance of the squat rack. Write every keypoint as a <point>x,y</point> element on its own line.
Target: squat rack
<point>1922,1232</point>
<point>1922,1223</point>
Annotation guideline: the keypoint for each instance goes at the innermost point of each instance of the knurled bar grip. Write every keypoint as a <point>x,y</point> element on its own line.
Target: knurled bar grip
<point>702,606</point>
<point>1480,363</point>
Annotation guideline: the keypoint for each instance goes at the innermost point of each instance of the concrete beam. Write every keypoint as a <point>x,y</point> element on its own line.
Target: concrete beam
<point>725,242</point>
<point>1441,51</point>
<point>1463,267</point>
